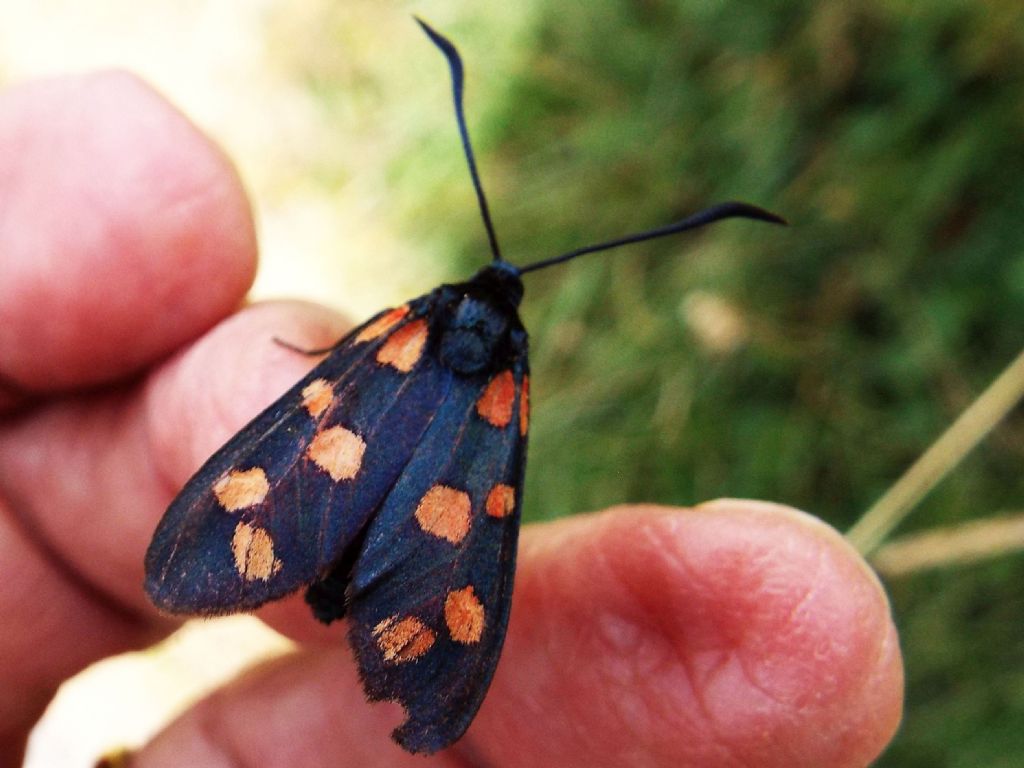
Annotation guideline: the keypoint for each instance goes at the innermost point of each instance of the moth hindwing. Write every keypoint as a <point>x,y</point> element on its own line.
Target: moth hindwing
<point>388,482</point>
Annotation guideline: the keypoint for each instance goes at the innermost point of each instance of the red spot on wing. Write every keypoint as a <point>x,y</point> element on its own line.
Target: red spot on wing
<point>465,616</point>
<point>404,347</point>
<point>495,404</point>
<point>403,639</point>
<point>445,512</point>
<point>253,549</point>
<point>501,500</point>
<point>338,451</point>
<point>382,324</point>
<point>317,396</point>
<point>240,489</point>
<point>524,407</point>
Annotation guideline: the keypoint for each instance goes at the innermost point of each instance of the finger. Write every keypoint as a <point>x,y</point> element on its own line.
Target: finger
<point>116,459</point>
<point>736,633</point>
<point>124,232</point>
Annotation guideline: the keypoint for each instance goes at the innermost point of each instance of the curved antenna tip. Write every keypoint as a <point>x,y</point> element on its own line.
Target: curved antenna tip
<point>728,210</point>
<point>748,211</point>
<point>451,53</point>
<point>440,40</point>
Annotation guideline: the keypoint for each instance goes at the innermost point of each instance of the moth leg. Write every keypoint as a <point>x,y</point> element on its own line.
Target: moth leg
<point>326,598</point>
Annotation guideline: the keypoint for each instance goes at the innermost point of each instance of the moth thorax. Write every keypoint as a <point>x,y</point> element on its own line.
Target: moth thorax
<point>474,333</point>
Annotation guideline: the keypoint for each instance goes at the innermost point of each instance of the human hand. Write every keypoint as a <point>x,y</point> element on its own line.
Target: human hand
<point>733,633</point>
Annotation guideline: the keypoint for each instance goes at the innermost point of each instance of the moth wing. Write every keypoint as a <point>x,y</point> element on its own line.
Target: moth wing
<point>275,506</point>
<point>430,593</point>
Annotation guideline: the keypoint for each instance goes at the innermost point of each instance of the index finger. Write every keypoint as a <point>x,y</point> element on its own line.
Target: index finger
<point>126,232</point>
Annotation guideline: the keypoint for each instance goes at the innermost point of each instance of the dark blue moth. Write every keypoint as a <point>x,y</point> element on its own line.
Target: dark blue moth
<point>388,482</point>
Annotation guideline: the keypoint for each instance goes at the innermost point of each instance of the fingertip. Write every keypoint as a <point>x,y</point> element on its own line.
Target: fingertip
<point>814,650</point>
<point>124,231</point>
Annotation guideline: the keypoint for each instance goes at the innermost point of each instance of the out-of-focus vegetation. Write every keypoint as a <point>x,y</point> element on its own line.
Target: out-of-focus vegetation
<point>809,365</point>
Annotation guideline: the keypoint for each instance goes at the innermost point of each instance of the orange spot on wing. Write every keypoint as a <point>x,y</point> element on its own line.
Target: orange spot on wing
<point>501,500</point>
<point>464,615</point>
<point>495,404</point>
<point>402,640</point>
<point>444,512</point>
<point>382,324</point>
<point>524,407</point>
<point>337,451</point>
<point>238,490</point>
<point>253,549</point>
<point>403,348</point>
<point>316,396</point>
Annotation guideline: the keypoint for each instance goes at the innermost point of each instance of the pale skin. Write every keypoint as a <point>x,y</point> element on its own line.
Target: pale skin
<point>735,633</point>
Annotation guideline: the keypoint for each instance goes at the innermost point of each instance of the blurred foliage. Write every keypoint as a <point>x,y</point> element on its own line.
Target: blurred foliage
<point>809,365</point>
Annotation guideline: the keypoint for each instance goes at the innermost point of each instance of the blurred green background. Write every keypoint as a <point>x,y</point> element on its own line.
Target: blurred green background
<point>808,365</point>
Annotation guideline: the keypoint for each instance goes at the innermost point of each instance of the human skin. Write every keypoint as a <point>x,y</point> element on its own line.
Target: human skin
<point>734,633</point>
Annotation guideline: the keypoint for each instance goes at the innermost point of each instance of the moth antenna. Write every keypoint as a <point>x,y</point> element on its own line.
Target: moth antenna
<point>451,53</point>
<point>707,216</point>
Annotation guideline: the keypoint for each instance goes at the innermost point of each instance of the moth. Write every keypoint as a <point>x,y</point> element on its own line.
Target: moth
<point>388,483</point>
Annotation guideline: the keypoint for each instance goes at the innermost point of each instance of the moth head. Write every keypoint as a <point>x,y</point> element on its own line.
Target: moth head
<point>481,313</point>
